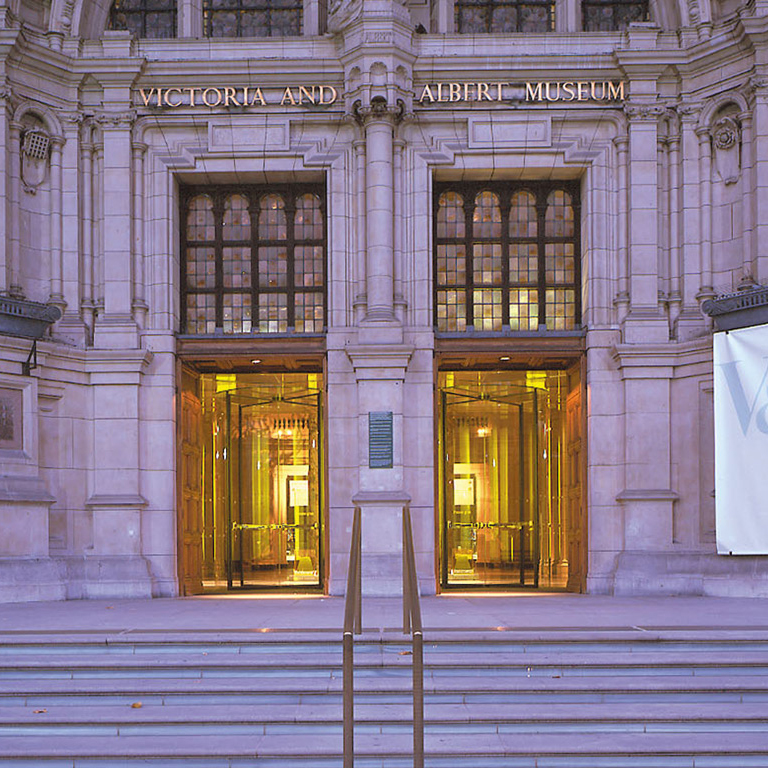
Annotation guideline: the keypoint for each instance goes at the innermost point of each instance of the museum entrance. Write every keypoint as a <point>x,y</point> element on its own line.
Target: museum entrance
<point>261,493</point>
<point>510,479</point>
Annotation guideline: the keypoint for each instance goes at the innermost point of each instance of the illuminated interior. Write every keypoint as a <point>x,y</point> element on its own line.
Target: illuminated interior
<point>262,495</point>
<point>504,486</point>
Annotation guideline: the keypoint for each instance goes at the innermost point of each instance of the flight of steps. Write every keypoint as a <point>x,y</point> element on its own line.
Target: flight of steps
<point>569,698</point>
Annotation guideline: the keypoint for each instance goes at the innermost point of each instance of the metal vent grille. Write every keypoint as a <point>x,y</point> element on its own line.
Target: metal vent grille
<point>36,145</point>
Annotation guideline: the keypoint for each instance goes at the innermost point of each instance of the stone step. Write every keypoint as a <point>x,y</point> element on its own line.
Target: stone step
<point>383,689</point>
<point>596,750</point>
<point>183,720</point>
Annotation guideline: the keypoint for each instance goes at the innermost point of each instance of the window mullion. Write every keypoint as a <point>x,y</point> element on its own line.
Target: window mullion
<point>469,266</point>
<point>218,250</point>
<point>290,210</point>
<point>505,201</point>
<point>541,210</point>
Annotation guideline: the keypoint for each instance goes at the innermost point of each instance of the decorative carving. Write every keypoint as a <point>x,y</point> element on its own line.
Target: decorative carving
<point>116,119</point>
<point>343,12</point>
<point>726,140</point>
<point>648,112</point>
<point>35,151</point>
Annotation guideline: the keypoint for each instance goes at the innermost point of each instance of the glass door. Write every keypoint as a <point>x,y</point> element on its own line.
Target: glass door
<point>502,443</point>
<point>267,448</point>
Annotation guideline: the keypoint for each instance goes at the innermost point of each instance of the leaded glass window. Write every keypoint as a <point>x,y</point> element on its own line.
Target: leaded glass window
<point>145,18</point>
<point>252,18</point>
<point>612,15</point>
<point>500,16</point>
<point>253,259</point>
<point>506,257</point>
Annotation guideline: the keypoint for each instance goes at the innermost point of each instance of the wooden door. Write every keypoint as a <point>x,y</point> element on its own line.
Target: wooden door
<point>575,490</point>
<point>190,468</point>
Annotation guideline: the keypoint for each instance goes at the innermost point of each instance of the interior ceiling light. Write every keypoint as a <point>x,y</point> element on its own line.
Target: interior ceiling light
<point>503,359</point>
<point>255,362</point>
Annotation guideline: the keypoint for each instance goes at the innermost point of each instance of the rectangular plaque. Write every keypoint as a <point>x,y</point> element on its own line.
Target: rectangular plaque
<point>11,409</point>
<point>463,491</point>
<point>380,452</point>
<point>298,493</point>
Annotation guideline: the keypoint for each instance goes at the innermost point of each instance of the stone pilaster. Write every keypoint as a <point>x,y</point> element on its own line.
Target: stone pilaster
<point>645,322</point>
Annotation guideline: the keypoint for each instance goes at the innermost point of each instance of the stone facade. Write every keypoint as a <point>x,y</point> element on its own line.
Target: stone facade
<point>674,210</point>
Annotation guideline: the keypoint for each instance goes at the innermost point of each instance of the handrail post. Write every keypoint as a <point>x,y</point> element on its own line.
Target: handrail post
<point>353,623</point>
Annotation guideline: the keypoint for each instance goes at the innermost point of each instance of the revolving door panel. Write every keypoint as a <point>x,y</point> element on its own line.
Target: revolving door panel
<point>270,459</point>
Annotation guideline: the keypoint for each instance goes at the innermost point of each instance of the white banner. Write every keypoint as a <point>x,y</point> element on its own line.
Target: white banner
<point>741,441</point>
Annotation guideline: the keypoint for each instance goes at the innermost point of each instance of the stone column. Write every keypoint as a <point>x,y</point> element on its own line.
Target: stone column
<point>622,297</point>
<point>379,280</point>
<point>645,323</point>
<point>760,155</point>
<point>14,287</point>
<point>690,321</point>
<point>57,268</point>
<point>139,305</point>
<point>675,296</point>
<point>6,213</point>
<point>705,212</point>
<point>116,328</point>
<point>87,302</point>
<point>747,219</point>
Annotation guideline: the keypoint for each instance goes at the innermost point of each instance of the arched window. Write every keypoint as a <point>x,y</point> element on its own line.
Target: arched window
<point>252,18</point>
<point>145,18</point>
<point>500,16</point>
<point>523,273</point>
<point>612,15</point>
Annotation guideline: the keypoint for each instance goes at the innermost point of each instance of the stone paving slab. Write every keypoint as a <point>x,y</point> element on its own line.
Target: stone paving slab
<point>524,610</point>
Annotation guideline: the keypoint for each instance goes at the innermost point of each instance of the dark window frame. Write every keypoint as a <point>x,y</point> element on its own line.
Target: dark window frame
<point>290,193</point>
<point>144,10</point>
<point>643,14</point>
<point>505,190</point>
<point>489,6</point>
<point>240,7</point>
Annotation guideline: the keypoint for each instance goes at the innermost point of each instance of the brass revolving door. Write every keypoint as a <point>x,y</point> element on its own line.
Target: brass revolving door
<point>501,496</point>
<point>266,484</point>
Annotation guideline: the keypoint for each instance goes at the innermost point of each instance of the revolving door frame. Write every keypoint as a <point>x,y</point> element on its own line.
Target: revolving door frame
<point>533,526</point>
<point>232,584</point>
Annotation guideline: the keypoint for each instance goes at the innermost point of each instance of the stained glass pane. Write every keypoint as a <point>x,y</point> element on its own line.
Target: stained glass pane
<point>308,219</point>
<point>523,309</point>
<point>237,220</point>
<point>201,313</point>
<point>236,265</point>
<point>471,20</point>
<point>523,263</point>
<point>612,15</point>
<point>451,310</point>
<point>559,217</point>
<point>144,18</point>
<point>273,266</point>
<point>487,216</point>
<point>450,215</point>
<point>254,24</point>
<point>309,312</point>
<point>273,313</point>
<point>200,224</point>
<point>286,23</point>
<point>272,222</point>
<point>486,263</point>
<point>487,305</point>
<point>523,221</point>
<point>559,263</point>
<point>237,313</point>
<point>533,19</point>
<point>451,264</point>
<point>504,19</point>
<point>223,24</point>
<point>308,269</point>
<point>560,309</point>
<point>201,268</point>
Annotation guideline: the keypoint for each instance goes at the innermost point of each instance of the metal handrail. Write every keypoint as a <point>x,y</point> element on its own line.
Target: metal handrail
<point>353,624</point>
<point>412,625</point>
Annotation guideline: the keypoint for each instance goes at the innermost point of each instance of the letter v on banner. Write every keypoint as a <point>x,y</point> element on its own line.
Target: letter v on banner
<point>741,440</point>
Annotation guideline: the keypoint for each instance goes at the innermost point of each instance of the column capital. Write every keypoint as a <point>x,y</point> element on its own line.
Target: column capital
<point>644,113</point>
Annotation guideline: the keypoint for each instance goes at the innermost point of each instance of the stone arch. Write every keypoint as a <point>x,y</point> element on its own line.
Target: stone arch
<point>46,116</point>
<point>716,105</point>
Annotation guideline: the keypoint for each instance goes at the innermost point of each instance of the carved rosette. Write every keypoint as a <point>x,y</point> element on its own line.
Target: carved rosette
<point>726,143</point>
